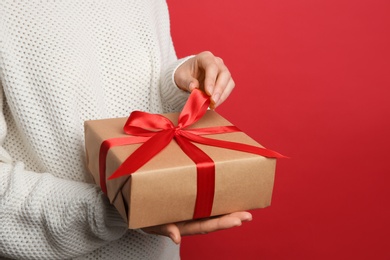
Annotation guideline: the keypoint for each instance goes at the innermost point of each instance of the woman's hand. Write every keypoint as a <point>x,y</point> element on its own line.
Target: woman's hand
<point>203,226</point>
<point>208,73</point>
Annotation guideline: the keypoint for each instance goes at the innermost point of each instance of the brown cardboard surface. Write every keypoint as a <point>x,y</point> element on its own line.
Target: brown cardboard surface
<point>164,189</point>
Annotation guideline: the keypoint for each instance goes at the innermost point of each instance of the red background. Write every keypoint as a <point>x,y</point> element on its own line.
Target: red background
<point>312,82</point>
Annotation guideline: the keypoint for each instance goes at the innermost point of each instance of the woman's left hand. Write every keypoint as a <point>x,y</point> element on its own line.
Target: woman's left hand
<point>207,73</point>
<point>175,231</point>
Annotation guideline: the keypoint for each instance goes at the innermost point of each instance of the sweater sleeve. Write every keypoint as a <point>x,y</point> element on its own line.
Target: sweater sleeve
<point>46,217</point>
<point>173,97</point>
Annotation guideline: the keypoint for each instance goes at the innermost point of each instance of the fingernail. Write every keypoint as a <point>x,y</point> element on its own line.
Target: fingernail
<point>248,217</point>
<point>215,98</point>
<point>209,90</point>
<point>173,238</point>
<point>191,86</point>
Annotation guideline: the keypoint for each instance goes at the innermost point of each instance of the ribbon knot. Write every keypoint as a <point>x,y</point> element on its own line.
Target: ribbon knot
<point>155,132</point>
<point>177,130</point>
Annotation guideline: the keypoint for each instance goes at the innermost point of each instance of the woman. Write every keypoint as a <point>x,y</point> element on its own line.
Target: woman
<point>64,62</point>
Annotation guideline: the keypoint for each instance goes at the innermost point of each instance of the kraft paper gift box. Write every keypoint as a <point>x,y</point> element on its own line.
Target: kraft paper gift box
<point>165,189</point>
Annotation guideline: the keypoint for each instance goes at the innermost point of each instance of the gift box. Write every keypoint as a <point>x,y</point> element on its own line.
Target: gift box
<point>158,169</point>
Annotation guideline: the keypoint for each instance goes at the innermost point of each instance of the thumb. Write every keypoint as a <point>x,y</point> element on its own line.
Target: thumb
<point>193,84</point>
<point>184,80</point>
<point>172,231</point>
<point>169,230</point>
<point>189,84</point>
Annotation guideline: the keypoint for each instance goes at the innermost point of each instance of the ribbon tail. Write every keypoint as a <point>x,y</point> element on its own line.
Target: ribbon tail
<point>105,147</point>
<point>205,177</point>
<point>213,130</point>
<point>144,153</point>
<point>233,146</point>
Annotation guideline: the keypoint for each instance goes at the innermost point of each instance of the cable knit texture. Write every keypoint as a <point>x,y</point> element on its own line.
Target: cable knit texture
<point>63,62</point>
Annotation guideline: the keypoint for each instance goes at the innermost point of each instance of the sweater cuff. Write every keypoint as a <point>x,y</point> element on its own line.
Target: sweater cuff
<point>173,97</point>
<point>114,219</point>
<point>111,222</point>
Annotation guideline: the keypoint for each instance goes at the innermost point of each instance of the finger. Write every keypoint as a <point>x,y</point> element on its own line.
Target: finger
<point>211,73</point>
<point>214,224</point>
<point>217,76</point>
<point>210,65</point>
<point>244,216</point>
<point>173,233</point>
<point>168,230</point>
<point>230,220</point>
<point>226,221</point>
<point>225,93</point>
<point>209,225</point>
<point>222,81</point>
<point>187,82</point>
<point>183,76</point>
<point>223,86</point>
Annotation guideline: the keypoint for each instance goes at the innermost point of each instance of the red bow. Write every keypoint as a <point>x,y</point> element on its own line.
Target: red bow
<point>156,132</point>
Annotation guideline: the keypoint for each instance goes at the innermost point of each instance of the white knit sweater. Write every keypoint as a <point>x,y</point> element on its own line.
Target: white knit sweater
<point>63,62</point>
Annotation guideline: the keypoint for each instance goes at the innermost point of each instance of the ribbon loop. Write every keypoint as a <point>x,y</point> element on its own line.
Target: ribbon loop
<point>144,153</point>
<point>141,122</point>
<point>194,109</point>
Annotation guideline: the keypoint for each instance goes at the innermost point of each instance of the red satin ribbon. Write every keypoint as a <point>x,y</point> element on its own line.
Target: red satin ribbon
<point>156,132</point>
